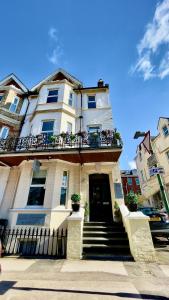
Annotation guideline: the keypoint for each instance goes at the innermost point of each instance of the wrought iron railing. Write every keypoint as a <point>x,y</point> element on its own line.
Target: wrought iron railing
<point>34,241</point>
<point>62,141</point>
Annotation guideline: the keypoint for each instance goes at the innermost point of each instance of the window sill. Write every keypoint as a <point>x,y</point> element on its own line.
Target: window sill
<point>40,209</point>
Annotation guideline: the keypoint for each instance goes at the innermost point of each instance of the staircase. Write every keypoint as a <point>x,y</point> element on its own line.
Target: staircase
<point>103,240</point>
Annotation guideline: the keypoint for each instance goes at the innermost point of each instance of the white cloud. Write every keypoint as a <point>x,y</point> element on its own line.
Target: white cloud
<point>132,164</point>
<point>156,35</point>
<point>56,52</point>
<point>53,34</point>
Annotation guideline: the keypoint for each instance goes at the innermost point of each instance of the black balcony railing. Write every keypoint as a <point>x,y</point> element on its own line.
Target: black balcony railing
<point>63,141</point>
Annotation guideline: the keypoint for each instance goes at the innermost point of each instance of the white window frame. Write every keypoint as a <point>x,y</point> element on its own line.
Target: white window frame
<point>70,102</point>
<point>16,105</point>
<point>36,185</point>
<point>71,125</point>
<point>51,96</point>
<point>93,126</point>
<point>4,127</point>
<point>65,186</point>
<point>91,101</point>
<point>50,131</point>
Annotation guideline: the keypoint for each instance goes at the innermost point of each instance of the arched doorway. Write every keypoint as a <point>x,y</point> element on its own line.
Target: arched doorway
<point>100,198</point>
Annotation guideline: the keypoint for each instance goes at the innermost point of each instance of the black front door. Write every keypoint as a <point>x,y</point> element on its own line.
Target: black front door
<point>100,198</point>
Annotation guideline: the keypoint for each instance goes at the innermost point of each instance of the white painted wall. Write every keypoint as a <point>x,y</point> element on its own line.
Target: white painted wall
<point>101,115</point>
<point>4,173</point>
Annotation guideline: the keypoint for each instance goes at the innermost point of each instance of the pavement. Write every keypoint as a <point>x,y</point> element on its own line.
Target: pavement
<point>37,279</point>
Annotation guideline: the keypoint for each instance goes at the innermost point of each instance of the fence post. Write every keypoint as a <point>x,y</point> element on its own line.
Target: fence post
<point>74,235</point>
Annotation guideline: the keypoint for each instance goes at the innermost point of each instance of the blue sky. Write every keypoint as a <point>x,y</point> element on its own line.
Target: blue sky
<point>125,42</point>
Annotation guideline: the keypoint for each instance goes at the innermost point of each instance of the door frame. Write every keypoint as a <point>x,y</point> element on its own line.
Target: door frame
<point>110,186</point>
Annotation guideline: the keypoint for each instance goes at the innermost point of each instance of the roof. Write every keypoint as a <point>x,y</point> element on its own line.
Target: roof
<point>13,77</point>
<point>50,77</point>
<point>165,118</point>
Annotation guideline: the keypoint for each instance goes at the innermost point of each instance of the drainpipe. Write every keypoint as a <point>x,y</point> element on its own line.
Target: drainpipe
<point>81,104</point>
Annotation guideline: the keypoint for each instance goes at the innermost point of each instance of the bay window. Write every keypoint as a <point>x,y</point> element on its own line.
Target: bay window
<point>37,188</point>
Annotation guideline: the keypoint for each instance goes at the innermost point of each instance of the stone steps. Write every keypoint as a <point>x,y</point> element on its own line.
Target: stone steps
<point>102,239</point>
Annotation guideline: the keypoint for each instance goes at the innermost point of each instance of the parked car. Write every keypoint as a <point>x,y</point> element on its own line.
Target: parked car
<point>159,221</point>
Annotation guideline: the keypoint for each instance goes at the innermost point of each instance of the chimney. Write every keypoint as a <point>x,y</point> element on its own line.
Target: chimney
<point>100,83</point>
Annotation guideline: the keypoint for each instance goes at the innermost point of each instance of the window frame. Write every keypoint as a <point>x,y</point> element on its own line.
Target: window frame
<point>4,127</point>
<point>71,125</point>
<point>167,154</point>
<point>137,181</point>
<point>91,102</point>
<point>49,131</point>
<point>64,187</point>
<point>94,126</point>
<point>165,133</point>
<point>37,185</point>
<point>52,96</point>
<point>12,104</point>
<point>1,97</point>
<point>129,181</point>
<point>70,99</point>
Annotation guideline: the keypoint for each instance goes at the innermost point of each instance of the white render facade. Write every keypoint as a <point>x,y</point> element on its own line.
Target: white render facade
<point>160,145</point>
<point>62,120</point>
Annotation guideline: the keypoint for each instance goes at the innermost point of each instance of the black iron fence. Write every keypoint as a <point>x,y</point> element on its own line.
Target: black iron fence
<point>34,242</point>
<point>105,138</point>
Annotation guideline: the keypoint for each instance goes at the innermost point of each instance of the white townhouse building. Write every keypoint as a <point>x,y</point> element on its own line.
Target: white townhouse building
<point>160,145</point>
<point>68,132</point>
<point>66,144</point>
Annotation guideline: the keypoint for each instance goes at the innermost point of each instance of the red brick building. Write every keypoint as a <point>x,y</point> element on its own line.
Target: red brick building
<point>130,182</point>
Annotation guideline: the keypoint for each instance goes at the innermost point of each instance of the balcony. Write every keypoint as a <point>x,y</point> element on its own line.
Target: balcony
<point>81,147</point>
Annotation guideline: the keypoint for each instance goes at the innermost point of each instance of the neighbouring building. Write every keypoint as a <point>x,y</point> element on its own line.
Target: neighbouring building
<point>67,145</point>
<point>160,146</point>
<point>130,182</point>
<point>13,105</point>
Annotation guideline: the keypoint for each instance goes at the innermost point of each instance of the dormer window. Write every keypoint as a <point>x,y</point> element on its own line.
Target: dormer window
<point>92,101</point>
<point>14,105</point>
<point>165,131</point>
<point>52,96</point>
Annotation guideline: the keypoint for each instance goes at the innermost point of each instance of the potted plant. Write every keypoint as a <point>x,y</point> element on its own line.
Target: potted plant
<point>63,135</point>
<point>131,201</point>
<point>72,137</point>
<point>75,202</point>
<point>117,213</point>
<point>52,138</point>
